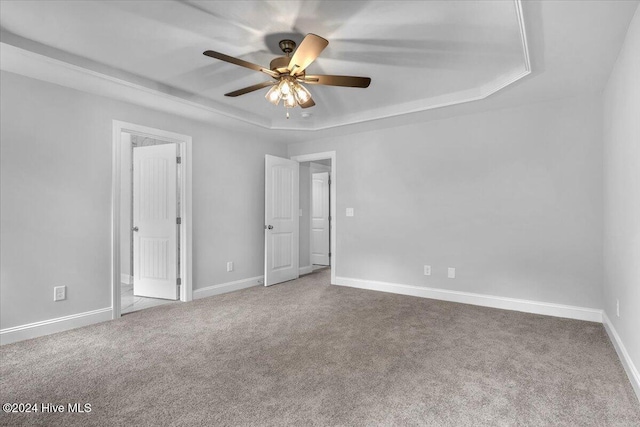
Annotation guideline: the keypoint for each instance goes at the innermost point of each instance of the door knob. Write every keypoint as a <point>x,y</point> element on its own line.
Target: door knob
<point>270,227</point>
<point>135,228</point>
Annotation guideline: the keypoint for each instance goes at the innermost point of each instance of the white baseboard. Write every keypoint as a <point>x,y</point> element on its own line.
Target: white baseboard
<point>46,327</point>
<point>223,288</point>
<point>527,306</point>
<point>305,270</point>
<point>126,279</point>
<point>627,363</point>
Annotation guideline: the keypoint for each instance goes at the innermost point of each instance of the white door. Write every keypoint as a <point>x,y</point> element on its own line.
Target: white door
<point>320,218</point>
<point>281,220</point>
<point>155,253</point>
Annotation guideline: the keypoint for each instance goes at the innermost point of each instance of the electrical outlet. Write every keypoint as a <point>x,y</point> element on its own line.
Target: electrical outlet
<point>451,273</point>
<point>230,266</point>
<point>617,308</point>
<point>427,270</point>
<point>59,293</point>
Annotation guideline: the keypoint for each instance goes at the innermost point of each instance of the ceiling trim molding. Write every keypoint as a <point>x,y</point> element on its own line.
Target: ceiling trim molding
<point>25,62</point>
<point>523,35</point>
<point>469,95</point>
<point>42,67</point>
<point>464,97</point>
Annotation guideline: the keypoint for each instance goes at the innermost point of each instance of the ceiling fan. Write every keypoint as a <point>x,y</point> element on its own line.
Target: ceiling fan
<point>289,72</point>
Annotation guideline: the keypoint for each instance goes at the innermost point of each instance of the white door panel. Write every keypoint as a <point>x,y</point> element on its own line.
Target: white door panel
<point>320,218</point>
<point>155,252</point>
<point>281,220</point>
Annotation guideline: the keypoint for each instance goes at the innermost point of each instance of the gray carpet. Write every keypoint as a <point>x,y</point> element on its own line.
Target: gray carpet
<point>307,353</point>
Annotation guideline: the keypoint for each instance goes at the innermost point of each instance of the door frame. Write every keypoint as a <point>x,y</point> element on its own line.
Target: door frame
<point>184,142</point>
<point>332,200</point>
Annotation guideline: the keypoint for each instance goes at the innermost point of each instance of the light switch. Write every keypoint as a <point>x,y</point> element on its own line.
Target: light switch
<point>349,211</point>
<point>300,212</point>
<point>451,273</point>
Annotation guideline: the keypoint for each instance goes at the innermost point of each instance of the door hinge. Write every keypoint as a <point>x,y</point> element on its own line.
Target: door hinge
<point>329,182</point>
<point>179,160</point>
<point>179,281</point>
<point>329,254</point>
<point>329,217</point>
<point>178,220</point>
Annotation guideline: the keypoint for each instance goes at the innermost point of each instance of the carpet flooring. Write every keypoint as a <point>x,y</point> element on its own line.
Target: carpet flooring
<point>305,353</point>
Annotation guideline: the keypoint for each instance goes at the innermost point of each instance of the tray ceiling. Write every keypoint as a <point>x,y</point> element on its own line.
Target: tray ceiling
<point>420,55</point>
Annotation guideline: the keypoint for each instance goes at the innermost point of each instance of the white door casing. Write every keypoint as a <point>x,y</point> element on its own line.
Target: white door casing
<point>155,252</point>
<point>281,220</point>
<point>320,218</point>
<point>333,196</point>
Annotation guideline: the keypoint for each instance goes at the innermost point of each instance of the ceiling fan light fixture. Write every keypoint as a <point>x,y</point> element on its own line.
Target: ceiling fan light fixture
<point>301,93</point>
<point>274,95</point>
<point>290,101</point>
<point>285,86</point>
<point>289,91</point>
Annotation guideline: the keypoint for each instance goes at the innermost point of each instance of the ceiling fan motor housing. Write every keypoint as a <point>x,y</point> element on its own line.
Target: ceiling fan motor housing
<point>287,46</point>
<point>280,64</point>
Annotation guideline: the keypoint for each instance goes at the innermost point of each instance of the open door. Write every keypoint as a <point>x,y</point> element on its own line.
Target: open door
<point>281,220</point>
<point>155,249</point>
<point>320,218</point>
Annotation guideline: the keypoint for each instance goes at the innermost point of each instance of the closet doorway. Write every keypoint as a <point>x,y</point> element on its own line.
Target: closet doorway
<point>152,216</point>
<point>317,212</point>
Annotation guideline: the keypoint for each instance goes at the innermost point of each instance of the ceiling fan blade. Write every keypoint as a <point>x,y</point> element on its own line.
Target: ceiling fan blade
<point>308,104</point>
<point>348,81</point>
<point>306,53</point>
<point>240,62</point>
<point>249,89</point>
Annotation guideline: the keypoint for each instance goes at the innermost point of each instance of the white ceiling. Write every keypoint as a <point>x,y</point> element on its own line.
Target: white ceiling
<point>420,55</point>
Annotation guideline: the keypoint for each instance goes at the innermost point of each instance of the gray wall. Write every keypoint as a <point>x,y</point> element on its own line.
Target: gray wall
<point>56,198</point>
<point>622,193</point>
<point>511,198</point>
